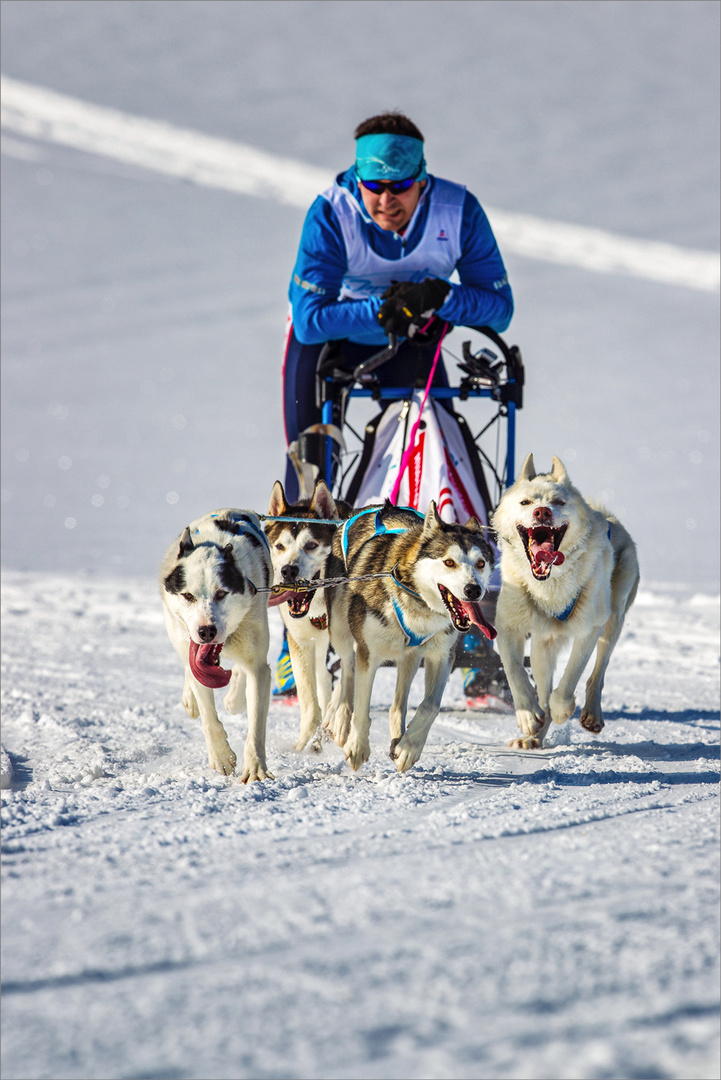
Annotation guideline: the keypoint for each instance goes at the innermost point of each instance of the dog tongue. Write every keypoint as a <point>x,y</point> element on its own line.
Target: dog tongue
<point>474,613</point>
<point>281,597</point>
<point>204,665</point>
<point>546,553</point>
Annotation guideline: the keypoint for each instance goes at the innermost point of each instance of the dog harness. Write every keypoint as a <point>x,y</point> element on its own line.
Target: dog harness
<point>245,525</point>
<point>380,529</point>
<point>569,610</point>
<point>412,639</point>
<point>565,614</point>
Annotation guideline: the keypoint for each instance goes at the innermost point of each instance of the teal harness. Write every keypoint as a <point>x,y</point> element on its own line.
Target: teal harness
<point>380,529</point>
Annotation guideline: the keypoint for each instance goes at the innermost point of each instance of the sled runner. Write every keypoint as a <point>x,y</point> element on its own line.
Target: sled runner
<point>418,448</point>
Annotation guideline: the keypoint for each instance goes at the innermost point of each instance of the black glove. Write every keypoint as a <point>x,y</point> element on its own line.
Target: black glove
<point>408,305</point>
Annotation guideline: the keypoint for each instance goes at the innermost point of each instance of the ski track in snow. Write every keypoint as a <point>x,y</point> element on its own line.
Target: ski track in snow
<point>489,914</point>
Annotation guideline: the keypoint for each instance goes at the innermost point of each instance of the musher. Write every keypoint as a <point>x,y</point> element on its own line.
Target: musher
<point>385,220</point>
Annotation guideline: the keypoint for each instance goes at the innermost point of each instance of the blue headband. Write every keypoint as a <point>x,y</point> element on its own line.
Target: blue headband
<point>389,158</point>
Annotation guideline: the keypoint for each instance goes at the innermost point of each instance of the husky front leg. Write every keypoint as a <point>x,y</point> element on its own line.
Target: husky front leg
<point>407,669</point>
<point>563,699</point>
<point>340,709</point>
<point>410,747</point>
<point>302,656</point>
<point>544,652</point>
<point>323,678</point>
<point>220,755</point>
<point>257,693</point>
<point>234,700</point>
<point>357,748</point>
<point>623,592</point>
<point>531,717</point>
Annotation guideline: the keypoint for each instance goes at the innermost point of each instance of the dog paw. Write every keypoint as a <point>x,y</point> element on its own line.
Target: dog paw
<point>223,761</point>
<point>357,751</point>
<point>314,744</point>
<point>404,754</point>
<point>338,725</point>
<point>234,701</point>
<point>562,709</point>
<point>591,723</point>
<point>190,704</point>
<point>530,721</point>
<point>528,742</point>
<point>255,770</point>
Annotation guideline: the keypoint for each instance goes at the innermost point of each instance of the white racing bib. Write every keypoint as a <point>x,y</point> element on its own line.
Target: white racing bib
<point>436,254</point>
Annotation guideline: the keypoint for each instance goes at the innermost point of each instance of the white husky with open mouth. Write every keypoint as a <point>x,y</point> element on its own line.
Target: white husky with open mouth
<point>208,583</point>
<point>569,575</point>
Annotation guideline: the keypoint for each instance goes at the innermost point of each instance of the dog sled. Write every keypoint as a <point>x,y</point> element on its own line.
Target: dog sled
<point>418,447</point>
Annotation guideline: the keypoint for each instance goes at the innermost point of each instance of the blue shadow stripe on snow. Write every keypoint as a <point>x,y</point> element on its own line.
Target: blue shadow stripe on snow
<point>680,716</point>
<point>83,978</point>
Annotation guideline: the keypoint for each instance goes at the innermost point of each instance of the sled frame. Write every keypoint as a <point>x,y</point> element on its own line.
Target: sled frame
<point>333,394</point>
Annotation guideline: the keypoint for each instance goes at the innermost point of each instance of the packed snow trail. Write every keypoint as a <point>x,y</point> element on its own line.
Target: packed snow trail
<point>489,914</point>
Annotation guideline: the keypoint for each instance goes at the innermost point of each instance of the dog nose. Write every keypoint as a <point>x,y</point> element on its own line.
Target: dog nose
<point>207,633</point>
<point>472,592</point>
<point>543,515</point>
<point>289,572</point>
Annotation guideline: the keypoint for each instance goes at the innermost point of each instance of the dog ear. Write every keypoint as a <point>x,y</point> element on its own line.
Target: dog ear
<point>474,525</point>
<point>278,504</point>
<point>186,543</point>
<point>323,503</point>
<point>528,469</point>
<point>432,519</point>
<point>559,473</point>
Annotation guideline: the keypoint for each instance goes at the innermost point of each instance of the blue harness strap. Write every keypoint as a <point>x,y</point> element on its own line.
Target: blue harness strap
<point>380,528</point>
<point>569,610</point>
<point>412,639</point>
<point>247,526</point>
<point>565,614</point>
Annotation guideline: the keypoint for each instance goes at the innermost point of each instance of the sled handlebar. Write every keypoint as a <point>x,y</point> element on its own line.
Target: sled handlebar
<point>377,360</point>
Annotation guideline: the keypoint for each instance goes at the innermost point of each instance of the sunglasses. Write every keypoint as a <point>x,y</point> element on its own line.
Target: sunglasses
<point>396,187</point>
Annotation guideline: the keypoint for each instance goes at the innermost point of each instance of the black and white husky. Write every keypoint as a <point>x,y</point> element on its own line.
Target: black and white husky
<point>569,574</point>
<point>208,582</point>
<point>299,551</point>
<point>430,579</point>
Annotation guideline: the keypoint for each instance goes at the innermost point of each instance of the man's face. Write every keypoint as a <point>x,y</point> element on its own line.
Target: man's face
<point>389,211</point>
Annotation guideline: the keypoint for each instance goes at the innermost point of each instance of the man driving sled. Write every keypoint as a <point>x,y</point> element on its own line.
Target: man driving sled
<point>387,220</point>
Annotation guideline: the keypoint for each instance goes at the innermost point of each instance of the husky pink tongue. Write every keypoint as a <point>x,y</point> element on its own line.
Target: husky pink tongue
<point>205,666</point>
<point>474,613</point>
<point>546,553</point>
<point>280,597</point>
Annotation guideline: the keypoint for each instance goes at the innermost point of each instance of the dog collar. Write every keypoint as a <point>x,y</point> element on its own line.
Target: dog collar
<point>565,614</point>
<point>320,622</point>
<point>412,639</point>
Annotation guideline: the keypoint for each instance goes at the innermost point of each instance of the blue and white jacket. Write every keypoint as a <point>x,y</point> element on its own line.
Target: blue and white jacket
<point>345,261</point>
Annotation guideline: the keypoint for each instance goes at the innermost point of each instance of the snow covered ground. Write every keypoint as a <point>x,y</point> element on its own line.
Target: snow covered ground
<point>490,914</point>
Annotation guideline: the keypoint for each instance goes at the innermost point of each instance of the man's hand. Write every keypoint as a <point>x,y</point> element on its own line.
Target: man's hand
<point>408,305</point>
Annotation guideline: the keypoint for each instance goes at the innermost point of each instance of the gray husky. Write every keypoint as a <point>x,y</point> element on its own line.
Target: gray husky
<point>299,551</point>
<point>569,574</point>
<point>208,583</point>
<point>429,580</point>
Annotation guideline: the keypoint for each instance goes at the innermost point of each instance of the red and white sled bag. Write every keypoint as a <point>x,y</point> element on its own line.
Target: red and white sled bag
<point>439,468</point>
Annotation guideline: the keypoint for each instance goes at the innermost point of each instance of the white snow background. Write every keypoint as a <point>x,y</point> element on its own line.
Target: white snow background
<point>491,914</point>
